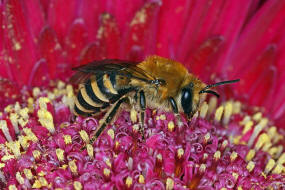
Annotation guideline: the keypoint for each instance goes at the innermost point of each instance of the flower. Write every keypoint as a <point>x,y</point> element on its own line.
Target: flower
<point>236,142</point>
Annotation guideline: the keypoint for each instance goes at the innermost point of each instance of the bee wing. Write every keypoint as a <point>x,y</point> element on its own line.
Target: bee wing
<point>108,66</point>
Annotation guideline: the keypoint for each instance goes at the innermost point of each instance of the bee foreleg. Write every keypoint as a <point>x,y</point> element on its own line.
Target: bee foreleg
<point>108,118</point>
<point>142,106</point>
<point>175,110</point>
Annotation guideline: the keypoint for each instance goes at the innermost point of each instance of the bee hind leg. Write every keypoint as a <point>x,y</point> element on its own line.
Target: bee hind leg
<point>142,102</point>
<point>108,118</point>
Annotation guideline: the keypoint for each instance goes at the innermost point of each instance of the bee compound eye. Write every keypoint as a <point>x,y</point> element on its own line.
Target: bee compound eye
<point>187,100</point>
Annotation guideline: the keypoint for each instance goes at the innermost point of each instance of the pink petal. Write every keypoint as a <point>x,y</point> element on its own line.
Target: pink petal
<point>75,41</point>
<point>19,42</point>
<point>140,39</point>
<point>90,53</point>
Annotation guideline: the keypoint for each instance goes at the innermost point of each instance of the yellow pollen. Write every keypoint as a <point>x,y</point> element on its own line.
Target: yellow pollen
<point>224,144</point>
<point>141,179</point>
<point>111,133</point>
<point>72,166</point>
<point>30,134</point>
<point>269,166</point>
<point>223,188</point>
<point>281,159</point>
<point>14,120</point>
<point>240,188</point>
<point>14,146</point>
<point>157,118</point>
<point>106,172</point>
<point>180,152</point>
<point>247,127</point>
<point>266,147</point>
<point>212,105</point>
<point>43,102</point>
<point>64,166</point>
<point>235,175</point>
<point>273,151</point>
<point>236,107</point>
<point>12,187</point>
<point>19,178</point>
<point>257,129</point>
<point>278,169</point>
<point>250,166</point>
<point>28,174</point>
<point>217,155</point>
<point>207,137</point>
<point>162,117</point>
<point>84,136</point>
<point>60,154</point>
<point>67,139</point>
<point>46,120</point>
<point>90,150</point>
<point>77,185</point>
<point>263,139</point>
<point>8,108</point>
<point>5,130</point>
<point>42,173</point>
<point>170,126</point>
<point>37,184</point>
<point>60,84</point>
<point>205,156</point>
<point>69,90</point>
<point>233,156</point>
<point>7,157</point>
<point>24,113</point>
<point>219,113</point>
<point>43,181</point>
<point>31,104</point>
<point>108,162</point>
<point>2,165</point>
<point>134,117</point>
<point>250,155</point>
<point>228,113</point>
<point>257,116</point>
<point>36,154</point>
<point>202,168</point>
<point>129,181</point>
<point>36,91</point>
<point>169,184</point>
<point>159,157</point>
<point>17,107</point>
<point>204,109</point>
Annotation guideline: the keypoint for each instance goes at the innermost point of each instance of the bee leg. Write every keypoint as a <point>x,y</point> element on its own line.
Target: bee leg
<point>142,106</point>
<point>175,110</point>
<point>108,118</point>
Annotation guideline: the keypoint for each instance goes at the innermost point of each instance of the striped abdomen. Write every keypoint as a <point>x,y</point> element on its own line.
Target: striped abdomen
<point>97,93</point>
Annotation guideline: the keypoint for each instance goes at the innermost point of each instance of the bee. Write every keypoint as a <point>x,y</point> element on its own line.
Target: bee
<point>156,83</point>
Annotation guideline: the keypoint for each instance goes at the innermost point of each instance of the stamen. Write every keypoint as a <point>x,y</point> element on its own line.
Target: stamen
<point>169,184</point>
<point>170,126</point>
<point>263,139</point>
<point>13,187</point>
<point>281,159</point>
<point>219,113</point>
<point>28,174</point>
<point>30,134</point>
<point>67,139</point>
<point>14,146</point>
<point>250,166</point>
<point>212,105</point>
<point>206,138</point>
<point>46,120</point>
<point>129,181</point>
<point>202,168</point>
<point>250,155</point>
<point>5,130</point>
<point>36,92</point>
<point>236,107</point>
<point>278,169</point>
<point>224,144</point>
<point>43,181</point>
<point>233,156</point>
<point>107,172</point>
<point>180,153</point>
<point>36,154</point>
<point>111,133</point>
<point>108,162</point>
<point>14,120</point>
<point>133,114</point>
<point>90,150</point>
<point>2,177</point>
<point>162,117</point>
<point>84,136</point>
<point>217,155</point>
<point>257,116</point>
<point>77,185</point>
<point>235,175</point>
<point>228,113</point>
<point>19,178</point>
<point>60,154</point>
<point>141,179</point>
<point>72,166</point>
<point>258,128</point>
<point>247,127</point>
<point>204,109</point>
<point>269,166</point>
<point>37,184</point>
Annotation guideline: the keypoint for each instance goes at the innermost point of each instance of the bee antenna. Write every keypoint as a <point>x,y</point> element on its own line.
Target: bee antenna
<point>218,84</point>
<point>210,92</point>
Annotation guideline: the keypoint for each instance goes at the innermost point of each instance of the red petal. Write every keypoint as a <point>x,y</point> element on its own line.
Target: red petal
<point>75,41</point>
<point>45,6</point>
<point>108,36</point>
<point>142,32</point>
<point>51,51</point>
<point>61,15</point>
<point>90,53</point>
<point>9,93</point>
<point>38,75</point>
<point>19,41</point>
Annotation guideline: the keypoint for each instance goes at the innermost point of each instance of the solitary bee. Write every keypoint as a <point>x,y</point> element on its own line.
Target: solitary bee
<point>155,83</point>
